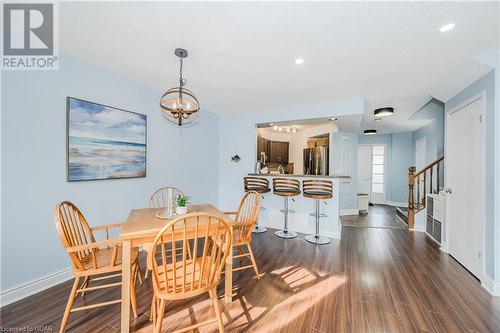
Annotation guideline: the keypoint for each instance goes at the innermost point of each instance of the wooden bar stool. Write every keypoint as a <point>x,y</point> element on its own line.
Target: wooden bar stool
<point>317,189</point>
<point>286,187</point>
<point>259,185</point>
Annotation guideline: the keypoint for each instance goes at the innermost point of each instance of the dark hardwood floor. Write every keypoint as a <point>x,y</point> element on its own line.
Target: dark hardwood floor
<point>373,280</point>
<point>379,216</point>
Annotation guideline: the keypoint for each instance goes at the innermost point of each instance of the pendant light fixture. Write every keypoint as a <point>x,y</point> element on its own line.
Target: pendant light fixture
<point>370,132</point>
<point>179,105</point>
<point>383,112</point>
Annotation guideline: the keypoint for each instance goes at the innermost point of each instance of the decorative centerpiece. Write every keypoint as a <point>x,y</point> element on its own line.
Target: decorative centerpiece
<point>181,205</point>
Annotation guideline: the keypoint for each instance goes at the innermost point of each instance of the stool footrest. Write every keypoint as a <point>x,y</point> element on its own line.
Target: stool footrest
<point>320,215</point>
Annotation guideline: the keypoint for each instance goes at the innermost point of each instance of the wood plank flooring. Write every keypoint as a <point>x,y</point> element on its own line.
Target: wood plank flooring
<point>373,280</point>
<point>380,216</point>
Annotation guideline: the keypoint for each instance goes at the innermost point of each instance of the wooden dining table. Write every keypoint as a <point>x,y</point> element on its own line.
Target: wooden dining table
<point>141,228</point>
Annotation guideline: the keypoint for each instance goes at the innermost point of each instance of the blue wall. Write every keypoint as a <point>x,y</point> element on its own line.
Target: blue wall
<point>485,84</point>
<point>433,132</point>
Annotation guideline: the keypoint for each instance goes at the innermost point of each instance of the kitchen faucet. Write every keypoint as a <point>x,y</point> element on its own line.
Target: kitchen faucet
<point>281,170</point>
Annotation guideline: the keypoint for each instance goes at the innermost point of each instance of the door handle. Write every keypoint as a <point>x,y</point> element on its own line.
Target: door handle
<point>448,190</point>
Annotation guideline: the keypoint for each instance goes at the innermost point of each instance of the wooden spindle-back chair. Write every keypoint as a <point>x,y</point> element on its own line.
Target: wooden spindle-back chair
<point>177,276</point>
<point>159,198</point>
<point>245,219</point>
<point>91,259</point>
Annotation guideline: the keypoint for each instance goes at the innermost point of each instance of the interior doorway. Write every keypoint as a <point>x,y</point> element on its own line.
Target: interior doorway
<point>372,172</point>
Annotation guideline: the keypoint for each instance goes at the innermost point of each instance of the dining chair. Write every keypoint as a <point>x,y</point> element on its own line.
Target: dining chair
<point>159,199</point>
<point>245,217</point>
<point>175,276</point>
<point>91,259</point>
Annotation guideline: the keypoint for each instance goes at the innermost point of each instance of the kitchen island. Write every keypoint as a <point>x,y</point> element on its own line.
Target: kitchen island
<point>302,221</point>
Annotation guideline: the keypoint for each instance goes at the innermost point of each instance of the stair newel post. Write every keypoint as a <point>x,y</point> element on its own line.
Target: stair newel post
<point>411,199</point>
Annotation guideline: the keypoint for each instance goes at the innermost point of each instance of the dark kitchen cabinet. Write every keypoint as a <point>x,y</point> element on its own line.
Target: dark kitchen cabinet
<point>262,148</point>
<point>278,151</point>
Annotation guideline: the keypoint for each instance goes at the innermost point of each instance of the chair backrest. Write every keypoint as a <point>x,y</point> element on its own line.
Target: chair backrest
<point>73,230</point>
<point>286,185</point>
<point>206,238</point>
<point>159,198</point>
<point>317,187</point>
<point>247,215</point>
<point>258,184</point>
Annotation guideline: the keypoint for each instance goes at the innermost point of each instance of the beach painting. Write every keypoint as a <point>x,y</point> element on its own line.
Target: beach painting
<point>104,142</point>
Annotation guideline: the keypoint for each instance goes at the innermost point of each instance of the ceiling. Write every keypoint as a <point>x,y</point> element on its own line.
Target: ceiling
<point>241,54</point>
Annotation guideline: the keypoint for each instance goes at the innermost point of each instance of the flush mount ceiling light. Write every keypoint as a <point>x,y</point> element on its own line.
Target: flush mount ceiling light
<point>383,112</point>
<point>378,119</point>
<point>271,124</point>
<point>178,104</point>
<point>333,119</point>
<point>370,132</point>
<point>299,61</point>
<point>447,27</point>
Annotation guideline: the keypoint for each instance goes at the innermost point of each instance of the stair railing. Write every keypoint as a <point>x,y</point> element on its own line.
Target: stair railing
<point>419,186</point>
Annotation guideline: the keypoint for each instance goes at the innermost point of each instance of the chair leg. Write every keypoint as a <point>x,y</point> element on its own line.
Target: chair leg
<point>215,301</point>
<point>146,274</point>
<point>152,314</point>
<point>85,284</point>
<point>133,299</point>
<point>159,319</point>
<point>138,272</point>
<point>254,263</point>
<point>69,305</point>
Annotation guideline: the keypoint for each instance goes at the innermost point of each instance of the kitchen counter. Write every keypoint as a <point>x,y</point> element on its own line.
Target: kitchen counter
<point>302,176</point>
<point>301,220</point>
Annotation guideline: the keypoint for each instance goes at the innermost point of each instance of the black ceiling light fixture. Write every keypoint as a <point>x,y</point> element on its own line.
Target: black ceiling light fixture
<point>370,132</point>
<point>383,112</point>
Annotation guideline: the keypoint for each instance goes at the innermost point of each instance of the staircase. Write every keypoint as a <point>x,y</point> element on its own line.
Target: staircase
<point>421,183</point>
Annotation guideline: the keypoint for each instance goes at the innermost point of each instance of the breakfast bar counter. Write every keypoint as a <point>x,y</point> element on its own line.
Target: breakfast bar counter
<point>302,220</point>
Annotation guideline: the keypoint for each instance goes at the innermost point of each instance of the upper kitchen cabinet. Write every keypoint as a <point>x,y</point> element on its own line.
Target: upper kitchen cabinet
<point>277,151</point>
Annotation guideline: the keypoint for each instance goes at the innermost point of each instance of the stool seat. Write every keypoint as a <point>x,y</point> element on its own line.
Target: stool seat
<point>286,192</point>
<point>318,195</point>
<point>257,189</point>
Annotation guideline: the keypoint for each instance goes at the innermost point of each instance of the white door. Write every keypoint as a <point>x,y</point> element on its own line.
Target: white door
<point>378,174</point>
<point>420,153</point>
<point>364,169</point>
<point>465,179</point>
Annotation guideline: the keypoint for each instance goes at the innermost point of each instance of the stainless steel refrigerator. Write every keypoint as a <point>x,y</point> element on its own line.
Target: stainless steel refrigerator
<point>316,161</point>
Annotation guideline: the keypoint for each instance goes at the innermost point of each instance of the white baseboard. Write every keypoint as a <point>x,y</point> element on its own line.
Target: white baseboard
<point>491,286</point>
<point>344,212</point>
<point>30,288</point>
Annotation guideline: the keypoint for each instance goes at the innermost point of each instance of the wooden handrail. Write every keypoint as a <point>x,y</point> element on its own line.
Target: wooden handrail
<point>428,166</point>
<point>415,204</point>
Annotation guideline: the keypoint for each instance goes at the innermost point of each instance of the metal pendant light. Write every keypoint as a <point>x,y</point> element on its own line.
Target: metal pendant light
<point>179,105</point>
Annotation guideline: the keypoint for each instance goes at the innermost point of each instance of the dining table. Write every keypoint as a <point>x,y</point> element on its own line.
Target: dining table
<point>140,229</point>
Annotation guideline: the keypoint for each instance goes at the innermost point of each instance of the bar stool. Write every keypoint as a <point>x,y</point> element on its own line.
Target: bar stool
<point>259,185</point>
<point>286,187</point>
<point>317,189</point>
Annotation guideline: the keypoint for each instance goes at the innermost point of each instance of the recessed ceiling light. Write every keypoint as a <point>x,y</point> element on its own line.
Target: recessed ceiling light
<point>447,27</point>
<point>280,129</point>
<point>271,124</point>
<point>384,112</point>
<point>299,61</point>
<point>370,132</point>
<point>275,127</point>
<point>333,119</point>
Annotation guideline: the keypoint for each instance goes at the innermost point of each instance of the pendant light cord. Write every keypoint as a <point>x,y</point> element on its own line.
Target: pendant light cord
<point>182,81</point>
